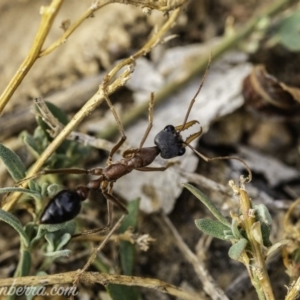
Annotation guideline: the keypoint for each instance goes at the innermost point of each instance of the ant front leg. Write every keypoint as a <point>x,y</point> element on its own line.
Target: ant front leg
<point>154,169</point>
<point>119,124</point>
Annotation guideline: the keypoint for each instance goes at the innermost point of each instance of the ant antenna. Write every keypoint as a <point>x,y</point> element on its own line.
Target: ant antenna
<point>197,93</point>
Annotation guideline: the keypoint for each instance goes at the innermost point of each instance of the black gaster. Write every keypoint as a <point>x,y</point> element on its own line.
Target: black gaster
<point>169,142</point>
<point>63,207</point>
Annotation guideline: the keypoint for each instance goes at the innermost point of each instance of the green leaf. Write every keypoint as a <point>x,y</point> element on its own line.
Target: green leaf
<point>213,228</point>
<point>262,214</point>
<point>266,232</point>
<point>57,113</point>
<point>131,219</point>
<point>127,250</point>
<point>15,224</point>
<point>24,264</point>
<point>30,142</point>
<point>207,202</point>
<point>289,32</point>
<point>127,254</point>
<point>13,163</point>
<point>237,249</point>
<point>18,189</point>
<point>57,254</point>
<point>235,229</point>
<point>121,292</point>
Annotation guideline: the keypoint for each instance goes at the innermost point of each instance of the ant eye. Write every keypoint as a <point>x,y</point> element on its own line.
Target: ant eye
<point>169,128</point>
<point>181,151</point>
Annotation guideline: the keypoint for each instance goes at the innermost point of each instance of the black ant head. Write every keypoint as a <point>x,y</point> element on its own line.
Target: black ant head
<point>170,142</point>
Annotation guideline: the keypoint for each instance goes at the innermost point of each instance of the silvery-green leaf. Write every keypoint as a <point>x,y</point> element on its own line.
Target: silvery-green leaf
<point>30,142</point>
<point>235,229</point>
<point>19,189</point>
<point>266,231</point>
<point>60,253</point>
<point>11,220</point>
<point>262,214</point>
<point>212,227</point>
<point>53,189</point>
<point>237,249</point>
<point>52,227</point>
<point>64,240</point>
<point>207,202</point>
<point>13,163</point>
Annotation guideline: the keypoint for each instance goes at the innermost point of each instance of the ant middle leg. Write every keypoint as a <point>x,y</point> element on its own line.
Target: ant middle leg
<point>150,120</point>
<point>119,124</point>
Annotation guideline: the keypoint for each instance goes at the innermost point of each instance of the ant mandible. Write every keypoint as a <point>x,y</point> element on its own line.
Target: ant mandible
<point>66,204</point>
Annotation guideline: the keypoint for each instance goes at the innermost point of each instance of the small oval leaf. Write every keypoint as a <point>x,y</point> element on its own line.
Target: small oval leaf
<point>13,163</point>
<point>213,228</point>
<point>237,249</point>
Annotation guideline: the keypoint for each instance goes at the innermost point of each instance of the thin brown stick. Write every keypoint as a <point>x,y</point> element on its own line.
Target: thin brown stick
<point>97,250</point>
<point>101,278</point>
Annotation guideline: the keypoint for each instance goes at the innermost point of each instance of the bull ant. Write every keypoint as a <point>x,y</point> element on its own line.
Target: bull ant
<point>66,204</point>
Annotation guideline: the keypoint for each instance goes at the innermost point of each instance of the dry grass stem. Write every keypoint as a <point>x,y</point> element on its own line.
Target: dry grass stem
<point>209,284</point>
<point>101,278</point>
<point>48,16</point>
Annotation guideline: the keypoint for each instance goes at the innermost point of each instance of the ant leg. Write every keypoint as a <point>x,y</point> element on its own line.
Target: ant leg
<point>195,96</point>
<point>119,124</point>
<point>110,201</point>
<point>150,120</point>
<point>115,201</point>
<point>109,216</point>
<point>208,159</point>
<point>95,171</point>
<point>154,169</point>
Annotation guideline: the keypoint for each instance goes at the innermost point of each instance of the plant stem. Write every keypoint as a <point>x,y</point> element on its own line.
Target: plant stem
<point>259,275</point>
<point>48,16</point>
